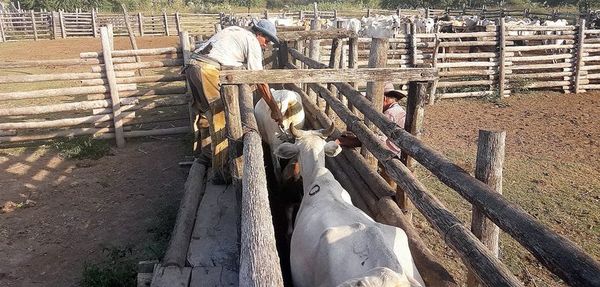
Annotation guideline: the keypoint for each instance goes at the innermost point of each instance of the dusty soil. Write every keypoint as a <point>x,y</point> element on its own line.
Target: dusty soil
<point>68,211</point>
<point>76,208</point>
<point>552,167</point>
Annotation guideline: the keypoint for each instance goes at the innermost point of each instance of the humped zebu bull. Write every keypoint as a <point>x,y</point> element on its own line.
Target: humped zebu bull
<point>290,104</point>
<point>334,243</point>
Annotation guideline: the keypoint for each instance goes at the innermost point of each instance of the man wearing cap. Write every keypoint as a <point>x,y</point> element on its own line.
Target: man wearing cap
<point>235,47</point>
<point>392,110</point>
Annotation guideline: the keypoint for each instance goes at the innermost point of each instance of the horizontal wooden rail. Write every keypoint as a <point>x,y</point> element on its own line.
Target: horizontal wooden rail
<point>396,75</point>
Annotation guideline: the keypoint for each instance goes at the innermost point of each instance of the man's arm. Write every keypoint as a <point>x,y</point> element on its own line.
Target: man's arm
<point>266,95</point>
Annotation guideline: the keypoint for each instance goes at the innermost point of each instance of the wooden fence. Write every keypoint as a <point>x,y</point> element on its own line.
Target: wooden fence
<point>500,59</point>
<point>51,25</point>
<point>341,104</point>
<point>105,94</point>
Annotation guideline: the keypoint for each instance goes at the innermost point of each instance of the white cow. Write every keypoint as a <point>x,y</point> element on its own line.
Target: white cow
<point>334,243</point>
<point>290,104</point>
<point>424,25</point>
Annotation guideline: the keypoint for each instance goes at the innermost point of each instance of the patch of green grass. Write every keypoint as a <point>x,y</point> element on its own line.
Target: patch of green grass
<point>81,148</point>
<point>160,229</point>
<point>116,270</point>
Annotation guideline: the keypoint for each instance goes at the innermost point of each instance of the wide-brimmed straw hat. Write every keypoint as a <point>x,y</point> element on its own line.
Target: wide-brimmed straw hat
<point>390,91</point>
<point>266,28</point>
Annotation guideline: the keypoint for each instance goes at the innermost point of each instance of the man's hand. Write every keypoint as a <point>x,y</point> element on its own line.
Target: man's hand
<point>348,139</point>
<point>277,116</point>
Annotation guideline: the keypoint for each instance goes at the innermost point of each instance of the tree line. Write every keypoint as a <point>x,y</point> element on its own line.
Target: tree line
<point>200,5</point>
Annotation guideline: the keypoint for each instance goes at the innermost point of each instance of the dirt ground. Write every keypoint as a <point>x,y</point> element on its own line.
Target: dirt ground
<point>552,170</point>
<point>552,167</point>
<point>75,208</point>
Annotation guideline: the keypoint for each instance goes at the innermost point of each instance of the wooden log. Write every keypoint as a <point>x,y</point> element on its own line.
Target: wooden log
<point>539,47</point>
<point>315,34</point>
<point>57,77</point>
<point>473,253</point>
<point>461,73</point>
<point>413,45</point>
<point>61,18</point>
<point>396,75</point>
<point>37,63</point>
<point>157,132</point>
<point>433,273</point>
<point>63,92</point>
<point>141,23</point>
<point>143,65</point>
<point>466,64</point>
<point>540,37</point>
<point>378,59</point>
<point>79,106</point>
<point>259,261</point>
<point>539,58</point>
<point>465,83</point>
<point>466,55</point>
<point>557,253</point>
<point>314,52</point>
<point>166,23</point>
<point>178,23</point>
<point>2,32</point>
<point>130,33</point>
<point>468,94</point>
<point>182,231</point>
<point>65,122</point>
<point>541,66</point>
<point>142,79</point>
<point>94,24</point>
<point>230,96</point>
<point>114,91</point>
<point>579,55</point>
<point>35,32</point>
<point>490,159</point>
<point>96,132</point>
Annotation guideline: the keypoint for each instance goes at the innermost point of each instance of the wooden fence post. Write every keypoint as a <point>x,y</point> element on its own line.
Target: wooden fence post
<point>377,59</point>
<point>165,19</point>
<point>113,87</point>
<point>94,24</point>
<point>501,58</point>
<point>315,10</point>
<point>2,33</point>
<point>35,35</point>
<point>184,41</point>
<point>178,23</point>
<point>230,97</point>
<point>413,44</point>
<point>579,64</point>
<point>259,261</point>
<point>61,18</point>
<point>111,35</point>
<point>415,115</point>
<point>334,62</point>
<point>131,35</point>
<point>434,62</point>
<point>368,12</point>
<point>353,64</point>
<point>141,23</point>
<point>490,159</point>
<point>314,53</point>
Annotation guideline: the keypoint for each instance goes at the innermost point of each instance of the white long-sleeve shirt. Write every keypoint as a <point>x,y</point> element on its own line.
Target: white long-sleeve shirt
<point>236,46</point>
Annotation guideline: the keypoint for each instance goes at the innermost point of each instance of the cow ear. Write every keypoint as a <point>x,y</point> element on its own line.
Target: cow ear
<point>332,149</point>
<point>286,150</point>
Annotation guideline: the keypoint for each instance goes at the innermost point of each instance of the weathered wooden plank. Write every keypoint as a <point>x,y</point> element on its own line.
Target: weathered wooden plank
<point>193,193</point>
<point>314,34</point>
<point>113,87</point>
<point>171,276</point>
<point>259,261</point>
<point>213,276</point>
<point>396,75</point>
<point>216,235</point>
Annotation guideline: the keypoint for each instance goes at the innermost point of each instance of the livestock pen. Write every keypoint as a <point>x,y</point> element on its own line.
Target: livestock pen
<point>329,98</point>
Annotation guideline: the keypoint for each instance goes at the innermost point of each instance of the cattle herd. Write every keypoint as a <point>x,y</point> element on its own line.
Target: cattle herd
<point>386,26</point>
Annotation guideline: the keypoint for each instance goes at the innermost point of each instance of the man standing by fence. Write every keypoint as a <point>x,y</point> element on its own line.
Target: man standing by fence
<point>231,48</point>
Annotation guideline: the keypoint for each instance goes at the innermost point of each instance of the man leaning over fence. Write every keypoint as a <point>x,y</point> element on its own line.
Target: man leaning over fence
<point>231,48</point>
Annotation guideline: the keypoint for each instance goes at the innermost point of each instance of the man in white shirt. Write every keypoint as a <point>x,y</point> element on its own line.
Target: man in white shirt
<point>234,47</point>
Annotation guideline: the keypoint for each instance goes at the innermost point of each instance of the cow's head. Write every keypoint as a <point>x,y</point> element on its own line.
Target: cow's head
<point>311,148</point>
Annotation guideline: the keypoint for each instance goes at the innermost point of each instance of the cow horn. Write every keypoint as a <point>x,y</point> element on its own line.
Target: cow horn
<point>296,132</point>
<point>326,133</point>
